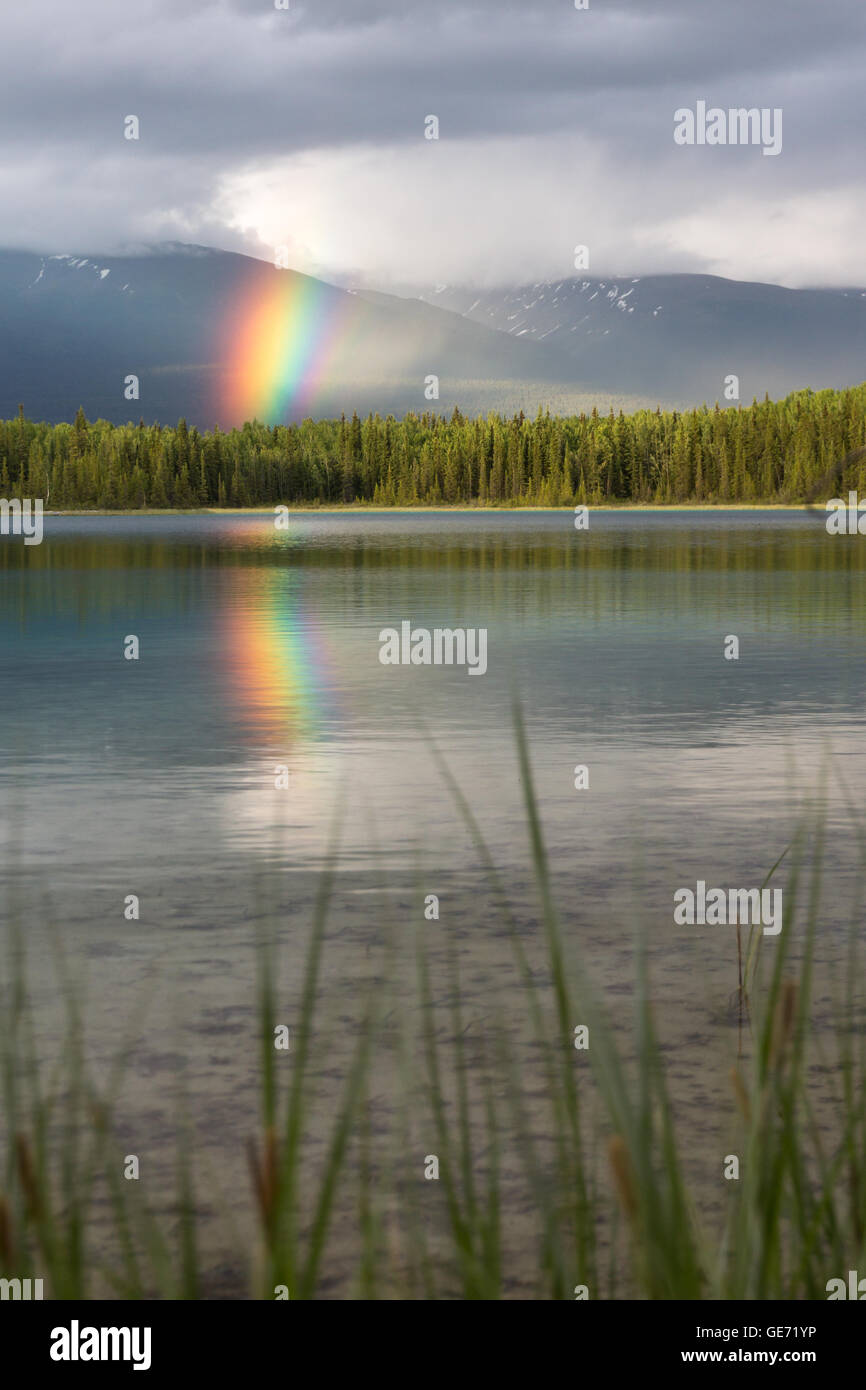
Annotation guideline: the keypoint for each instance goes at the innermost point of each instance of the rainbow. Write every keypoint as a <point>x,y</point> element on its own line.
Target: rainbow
<point>283,331</point>
<point>274,657</point>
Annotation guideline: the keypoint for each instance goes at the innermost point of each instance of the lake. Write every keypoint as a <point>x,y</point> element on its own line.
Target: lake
<point>258,733</point>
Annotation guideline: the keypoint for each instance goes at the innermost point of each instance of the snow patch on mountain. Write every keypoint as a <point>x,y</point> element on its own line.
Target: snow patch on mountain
<point>551,311</point>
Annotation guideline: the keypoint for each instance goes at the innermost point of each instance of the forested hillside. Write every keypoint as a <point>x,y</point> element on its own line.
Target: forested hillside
<point>768,452</point>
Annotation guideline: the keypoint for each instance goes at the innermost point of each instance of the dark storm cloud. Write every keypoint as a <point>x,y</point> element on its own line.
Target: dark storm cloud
<point>221,89</point>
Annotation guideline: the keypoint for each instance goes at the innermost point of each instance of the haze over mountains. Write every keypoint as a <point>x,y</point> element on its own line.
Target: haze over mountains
<point>183,320</point>
<point>680,336</point>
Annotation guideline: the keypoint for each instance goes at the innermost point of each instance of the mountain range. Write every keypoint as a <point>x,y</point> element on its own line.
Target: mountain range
<point>217,337</point>
<point>680,337</point>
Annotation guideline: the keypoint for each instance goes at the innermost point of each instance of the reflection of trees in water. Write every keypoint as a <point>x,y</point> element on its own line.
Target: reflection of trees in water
<point>631,564</point>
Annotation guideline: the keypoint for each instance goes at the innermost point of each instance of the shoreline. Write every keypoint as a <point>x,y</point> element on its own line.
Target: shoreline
<point>384,511</point>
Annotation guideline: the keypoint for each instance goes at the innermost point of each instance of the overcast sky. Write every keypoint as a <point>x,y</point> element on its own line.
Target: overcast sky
<point>261,128</point>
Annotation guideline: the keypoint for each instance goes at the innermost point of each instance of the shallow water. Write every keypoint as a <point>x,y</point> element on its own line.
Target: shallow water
<point>259,650</point>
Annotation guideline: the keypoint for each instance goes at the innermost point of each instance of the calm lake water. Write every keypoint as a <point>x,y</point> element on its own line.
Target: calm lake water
<point>259,649</point>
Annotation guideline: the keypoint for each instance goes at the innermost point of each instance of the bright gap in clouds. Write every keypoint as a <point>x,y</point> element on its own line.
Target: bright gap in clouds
<point>483,212</point>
